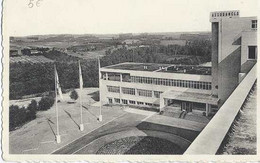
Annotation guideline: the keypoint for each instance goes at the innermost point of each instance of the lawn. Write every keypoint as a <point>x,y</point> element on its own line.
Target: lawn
<point>140,145</point>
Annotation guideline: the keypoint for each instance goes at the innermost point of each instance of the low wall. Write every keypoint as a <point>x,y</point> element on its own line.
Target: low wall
<point>211,137</point>
<point>187,134</point>
<point>95,145</point>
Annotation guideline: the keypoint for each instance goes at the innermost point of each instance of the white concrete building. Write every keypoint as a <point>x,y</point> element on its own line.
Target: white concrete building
<point>234,53</point>
<point>156,85</point>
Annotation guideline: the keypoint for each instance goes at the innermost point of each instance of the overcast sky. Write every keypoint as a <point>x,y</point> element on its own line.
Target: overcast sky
<point>116,16</point>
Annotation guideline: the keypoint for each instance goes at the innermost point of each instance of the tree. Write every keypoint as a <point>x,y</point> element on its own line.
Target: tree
<point>46,103</point>
<point>74,95</point>
<point>17,116</point>
<point>31,109</point>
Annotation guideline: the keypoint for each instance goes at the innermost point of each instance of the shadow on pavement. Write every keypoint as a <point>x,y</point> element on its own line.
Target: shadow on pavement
<point>89,111</point>
<point>72,118</point>
<point>49,121</point>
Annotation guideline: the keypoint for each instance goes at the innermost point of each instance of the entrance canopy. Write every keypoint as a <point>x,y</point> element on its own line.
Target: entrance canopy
<point>191,97</point>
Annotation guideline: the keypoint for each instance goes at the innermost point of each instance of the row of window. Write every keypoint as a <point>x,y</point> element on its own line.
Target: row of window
<point>131,102</point>
<point>158,81</point>
<point>114,76</point>
<point>172,82</point>
<point>131,91</point>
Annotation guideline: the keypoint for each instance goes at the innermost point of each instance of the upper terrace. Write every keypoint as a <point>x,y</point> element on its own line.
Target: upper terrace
<point>158,67</point>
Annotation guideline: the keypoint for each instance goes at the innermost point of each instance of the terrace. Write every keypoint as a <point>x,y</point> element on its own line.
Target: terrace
<point>158,67</point>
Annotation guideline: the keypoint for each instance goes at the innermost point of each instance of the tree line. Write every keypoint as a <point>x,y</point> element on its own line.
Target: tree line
<point>28,78</point>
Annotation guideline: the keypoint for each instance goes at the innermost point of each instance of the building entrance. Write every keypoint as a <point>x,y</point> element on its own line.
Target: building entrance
<point>187,106</point>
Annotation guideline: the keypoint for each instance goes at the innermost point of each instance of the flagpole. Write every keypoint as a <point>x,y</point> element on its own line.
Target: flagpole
<point>99,76</point>
<point>80,97</point>
<point>58,138</point>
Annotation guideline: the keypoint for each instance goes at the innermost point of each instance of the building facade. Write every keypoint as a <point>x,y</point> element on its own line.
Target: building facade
<point>234,50</point>
<point>234,53</point>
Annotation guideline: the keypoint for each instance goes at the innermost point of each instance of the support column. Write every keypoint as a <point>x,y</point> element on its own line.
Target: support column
<point>106,76</point>
<point>162,105</point>
<point>207,109</point>
<point>210,109</point>
<point>121,78</point>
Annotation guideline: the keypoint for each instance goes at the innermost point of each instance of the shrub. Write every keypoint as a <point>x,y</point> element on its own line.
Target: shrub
<point>74,95</point>
<point>18,116</point>
<point>46,103</point>
<point>32,108</point>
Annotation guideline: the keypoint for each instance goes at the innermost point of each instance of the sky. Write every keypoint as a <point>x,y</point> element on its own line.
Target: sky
<point>116,16</point>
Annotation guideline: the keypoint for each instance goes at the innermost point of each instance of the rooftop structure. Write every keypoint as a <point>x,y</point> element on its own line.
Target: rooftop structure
<point>158,67</point>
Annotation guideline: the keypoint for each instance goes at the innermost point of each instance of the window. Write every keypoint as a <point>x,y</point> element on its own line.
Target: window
<point>129,91</point>
<point>148,104</point>
<point>131,102</point>
<point>124,101</point>
<point>252,52</point>
<point>126,78</point>
<point>145,93</point>
<point>110,101</point>
<point>139,103</point>
<point>113,76</point>
<point>103,75</point>
<point>173,82</point>
<point>254,24</point>
<point>113,89</point>
<point>117,100</point>
<point>157,94</point>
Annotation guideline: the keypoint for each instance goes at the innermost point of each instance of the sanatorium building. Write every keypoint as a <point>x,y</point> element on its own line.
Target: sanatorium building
<point>188,87</point>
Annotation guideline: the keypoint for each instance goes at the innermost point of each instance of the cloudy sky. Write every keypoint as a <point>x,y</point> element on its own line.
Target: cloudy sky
<point>116,16</point>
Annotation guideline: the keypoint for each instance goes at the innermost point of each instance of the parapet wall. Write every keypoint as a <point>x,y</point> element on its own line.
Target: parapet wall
<point>211,137</point>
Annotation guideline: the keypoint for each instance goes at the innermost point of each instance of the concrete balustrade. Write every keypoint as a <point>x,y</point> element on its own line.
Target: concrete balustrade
<point>211,137</point>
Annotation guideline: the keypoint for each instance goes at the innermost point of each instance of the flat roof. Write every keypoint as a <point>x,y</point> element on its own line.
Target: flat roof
<point>190,96</point>
<point>159,67</point>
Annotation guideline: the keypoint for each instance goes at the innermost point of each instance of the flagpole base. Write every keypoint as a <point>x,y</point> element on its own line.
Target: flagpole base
<point>81,127</point>
<point>100,118</point>
<point>58,139</point>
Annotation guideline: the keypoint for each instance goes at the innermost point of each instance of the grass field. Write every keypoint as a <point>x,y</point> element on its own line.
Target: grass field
<point>88,55</point>
<point>30,59</point>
